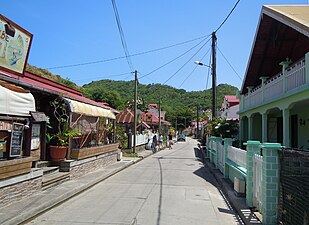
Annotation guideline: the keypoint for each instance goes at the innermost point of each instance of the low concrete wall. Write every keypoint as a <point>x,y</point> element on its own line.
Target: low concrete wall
<point>20,187</point>
<point>84,166</point>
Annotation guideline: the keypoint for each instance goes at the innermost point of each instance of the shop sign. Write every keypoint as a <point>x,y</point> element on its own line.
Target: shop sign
<point>16,139</point>
<point>14,46</point>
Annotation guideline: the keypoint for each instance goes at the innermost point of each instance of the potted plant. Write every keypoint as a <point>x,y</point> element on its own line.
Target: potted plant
<point>59,140</point>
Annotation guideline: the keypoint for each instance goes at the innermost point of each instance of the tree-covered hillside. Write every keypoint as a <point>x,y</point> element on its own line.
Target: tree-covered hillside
<point>177,102</point>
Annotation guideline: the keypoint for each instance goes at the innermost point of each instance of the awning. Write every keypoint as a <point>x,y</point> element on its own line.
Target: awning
<point>89,110</point>
<point>16,103</point>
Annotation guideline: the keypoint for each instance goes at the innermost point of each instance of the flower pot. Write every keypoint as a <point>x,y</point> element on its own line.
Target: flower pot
<point>57,153</point>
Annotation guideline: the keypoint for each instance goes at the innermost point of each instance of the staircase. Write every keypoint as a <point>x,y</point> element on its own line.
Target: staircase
<point>51,175</point>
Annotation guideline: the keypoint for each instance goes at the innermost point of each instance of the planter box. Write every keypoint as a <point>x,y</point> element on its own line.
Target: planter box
<point>15,167</point>
<point>93,151</point>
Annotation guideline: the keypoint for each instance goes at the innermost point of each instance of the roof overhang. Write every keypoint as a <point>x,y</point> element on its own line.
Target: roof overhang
<point>89,110</point>
<point>282,32</point>
<point>16,103</point>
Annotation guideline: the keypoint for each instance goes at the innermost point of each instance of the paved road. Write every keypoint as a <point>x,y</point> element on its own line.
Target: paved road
<point>169,187</point>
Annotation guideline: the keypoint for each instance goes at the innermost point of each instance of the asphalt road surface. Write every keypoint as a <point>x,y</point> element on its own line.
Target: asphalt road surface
<point>171,187</point>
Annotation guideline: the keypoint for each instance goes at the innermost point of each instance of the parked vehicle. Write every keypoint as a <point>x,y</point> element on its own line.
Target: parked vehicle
<point>181,137</point>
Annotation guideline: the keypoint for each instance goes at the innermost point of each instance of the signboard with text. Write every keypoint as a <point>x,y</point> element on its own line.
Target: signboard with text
<point>14,46</point>
<point>16,139</point>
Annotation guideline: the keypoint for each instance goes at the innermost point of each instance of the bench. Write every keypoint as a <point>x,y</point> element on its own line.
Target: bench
<point>235,166</point>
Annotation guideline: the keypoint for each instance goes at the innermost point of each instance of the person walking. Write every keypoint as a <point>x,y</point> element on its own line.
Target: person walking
<point>154,143</point>
<point>160,142</point>
<point>170,141</point>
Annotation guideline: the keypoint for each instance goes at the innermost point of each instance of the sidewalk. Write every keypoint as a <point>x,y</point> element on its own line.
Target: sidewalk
<point>28,208</point>
<point>238,203</point>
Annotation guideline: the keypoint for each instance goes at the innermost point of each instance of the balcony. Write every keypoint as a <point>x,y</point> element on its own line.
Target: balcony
<point>293,78</point>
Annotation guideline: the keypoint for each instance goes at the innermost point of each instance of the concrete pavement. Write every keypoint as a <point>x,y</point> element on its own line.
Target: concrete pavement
<point>182,200</point>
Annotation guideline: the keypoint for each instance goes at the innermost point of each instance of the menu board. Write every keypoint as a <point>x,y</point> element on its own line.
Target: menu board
<point>16,139</point>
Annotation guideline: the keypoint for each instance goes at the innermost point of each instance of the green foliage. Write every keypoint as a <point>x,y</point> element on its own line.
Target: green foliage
<point>178,103</point>
<point>64,131</point>
<point>121,137</point>
<point>46,74</point>
<point>219,127</point>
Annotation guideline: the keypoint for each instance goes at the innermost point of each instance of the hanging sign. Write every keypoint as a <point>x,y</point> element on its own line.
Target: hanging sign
<point>14,46</point>
<point>16,139</point>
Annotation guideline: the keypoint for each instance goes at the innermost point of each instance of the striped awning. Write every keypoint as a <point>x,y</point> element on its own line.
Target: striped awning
<point>89,110</point>
<point>126,116</point>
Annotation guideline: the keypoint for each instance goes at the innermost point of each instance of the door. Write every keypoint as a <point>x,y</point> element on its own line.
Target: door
<point>294,131</point>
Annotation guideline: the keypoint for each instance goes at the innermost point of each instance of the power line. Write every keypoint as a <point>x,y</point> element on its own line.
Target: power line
<point>208,73</point>
<point>122,57</point>
<point>186,62</point>
<point>230,64</point>
<point>122,37</point>
<point>227,16</point>
<point>169,62</point>
<point>193,69</point>
<point>103,76</point>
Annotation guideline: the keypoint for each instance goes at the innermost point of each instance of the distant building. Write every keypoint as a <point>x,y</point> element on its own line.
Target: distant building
<point>230,107</point>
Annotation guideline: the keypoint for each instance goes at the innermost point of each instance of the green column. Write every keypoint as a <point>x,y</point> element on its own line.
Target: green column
<point>252,148</point>
<point>216,159</point>
<point>227,142</point>
<point>211,150</point>
<point>286,127</point>
<point>264,127</point>
<point>270,183</point>
<point>250,127</point>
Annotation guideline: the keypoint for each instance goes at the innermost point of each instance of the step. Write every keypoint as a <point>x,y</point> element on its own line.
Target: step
<point>54,179</point>
<point>41,164</point>
<point>50,169</point>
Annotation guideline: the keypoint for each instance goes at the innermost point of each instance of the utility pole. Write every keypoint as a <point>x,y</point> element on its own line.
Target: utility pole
<point>135,111</point>
<point>214,75</point>
<point>197,123</point>
<point>159,115</point>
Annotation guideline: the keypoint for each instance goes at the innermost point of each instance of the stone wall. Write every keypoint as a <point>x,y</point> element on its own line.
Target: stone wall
<point>82,167</point>
<point>20,187</point>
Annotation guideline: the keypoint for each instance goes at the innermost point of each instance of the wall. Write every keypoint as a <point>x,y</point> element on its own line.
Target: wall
<point>303,130</point>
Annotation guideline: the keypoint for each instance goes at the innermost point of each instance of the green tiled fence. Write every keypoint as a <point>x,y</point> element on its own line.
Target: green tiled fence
<point>262,183</point>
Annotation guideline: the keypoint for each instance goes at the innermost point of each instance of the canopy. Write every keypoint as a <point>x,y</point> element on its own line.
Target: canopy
<point>89,110</point>
<point>16,103</point>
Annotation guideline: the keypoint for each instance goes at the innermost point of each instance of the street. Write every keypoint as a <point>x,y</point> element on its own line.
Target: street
<point>169,187</point>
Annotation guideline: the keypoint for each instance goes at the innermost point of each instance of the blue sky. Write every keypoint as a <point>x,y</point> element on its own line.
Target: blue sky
<point>74,32</point>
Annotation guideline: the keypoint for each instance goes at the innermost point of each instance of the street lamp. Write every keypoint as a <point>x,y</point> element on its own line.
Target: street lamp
<point>201,64</point>
<point>213,87</point>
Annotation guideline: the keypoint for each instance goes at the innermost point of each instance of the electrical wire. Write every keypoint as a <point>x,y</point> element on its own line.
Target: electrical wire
<point>169,62</point>
<point>230,64</point>
<point>227,16</point>
<point>186,62</point>
<point>122,37</point>
<point>208,73</point>
<point>193,69</point>
<point>103,76</point>
<point>122,57</point>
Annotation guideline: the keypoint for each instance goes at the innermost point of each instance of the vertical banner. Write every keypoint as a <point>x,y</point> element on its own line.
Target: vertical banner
<point>14,46</point>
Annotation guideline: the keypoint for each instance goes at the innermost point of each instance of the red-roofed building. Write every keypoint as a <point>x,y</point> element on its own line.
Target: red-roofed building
<point>230,107</point>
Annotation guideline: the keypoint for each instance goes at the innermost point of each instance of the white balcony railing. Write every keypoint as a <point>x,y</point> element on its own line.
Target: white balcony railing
<point>294,77</point>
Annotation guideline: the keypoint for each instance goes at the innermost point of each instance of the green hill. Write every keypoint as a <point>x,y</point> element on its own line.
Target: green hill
<point>176,102</point>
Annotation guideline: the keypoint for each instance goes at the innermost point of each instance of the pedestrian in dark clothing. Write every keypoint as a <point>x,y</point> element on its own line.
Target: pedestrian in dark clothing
<point>170,141</point>
<point>154,143</point>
